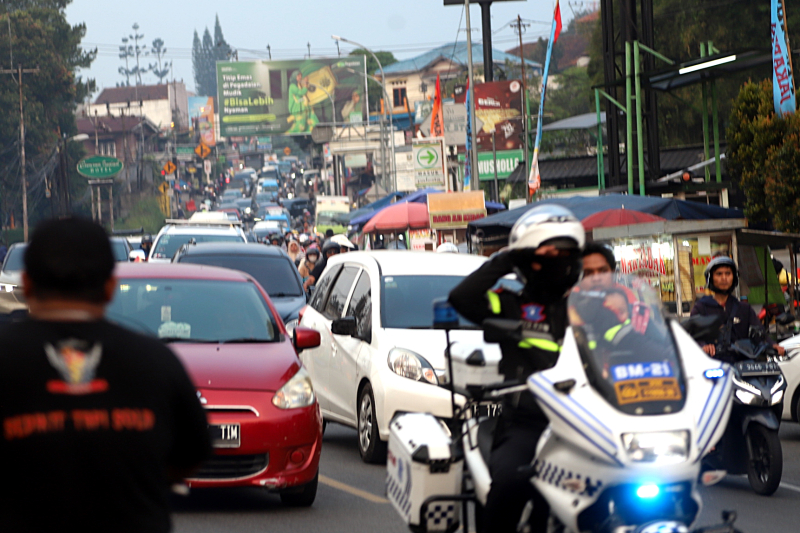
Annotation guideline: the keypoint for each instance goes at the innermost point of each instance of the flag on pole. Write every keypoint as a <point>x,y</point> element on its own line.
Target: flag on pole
<point>437,114</point>
<point>782,79</point>
<point>468,165</point>
<point>534,178</point>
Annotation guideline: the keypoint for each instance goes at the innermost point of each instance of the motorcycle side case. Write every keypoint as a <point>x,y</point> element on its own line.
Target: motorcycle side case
<point>581,455</point>
<point>473,365</point>
<point>422,473</point>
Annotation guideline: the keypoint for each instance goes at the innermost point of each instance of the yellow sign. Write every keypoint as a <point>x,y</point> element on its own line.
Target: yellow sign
<point>164,187</point>
<point>202,150</point>
<point>455,209</point>
<point>169,167</point>
<point>287,151</point>
<point>191,170</point>
<point>648,390</point>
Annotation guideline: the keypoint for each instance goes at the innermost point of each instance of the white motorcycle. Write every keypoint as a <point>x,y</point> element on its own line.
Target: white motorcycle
<point>633,404</point>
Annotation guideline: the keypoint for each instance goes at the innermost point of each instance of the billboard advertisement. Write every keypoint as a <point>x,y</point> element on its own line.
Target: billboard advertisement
<point>201,116</point>
<point>289,97</point>
<point>498,105</point>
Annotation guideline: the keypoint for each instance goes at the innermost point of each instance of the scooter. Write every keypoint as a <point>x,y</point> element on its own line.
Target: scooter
<point>631,415</point>
<point>751,444</point>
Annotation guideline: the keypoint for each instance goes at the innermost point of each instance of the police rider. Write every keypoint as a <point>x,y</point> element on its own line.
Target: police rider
<point>545,252</point>
<point>722,277</point>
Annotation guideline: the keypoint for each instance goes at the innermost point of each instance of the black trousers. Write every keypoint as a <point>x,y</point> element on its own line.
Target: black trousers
<point>514,447</point>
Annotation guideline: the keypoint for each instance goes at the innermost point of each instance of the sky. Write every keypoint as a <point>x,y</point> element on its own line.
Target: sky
<point>407,28</point>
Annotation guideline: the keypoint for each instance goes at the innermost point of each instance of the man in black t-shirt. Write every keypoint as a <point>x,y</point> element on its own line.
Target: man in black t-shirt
<point>97,421</point>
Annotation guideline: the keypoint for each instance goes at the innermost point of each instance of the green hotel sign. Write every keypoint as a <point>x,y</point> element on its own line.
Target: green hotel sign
<point>99,167</point>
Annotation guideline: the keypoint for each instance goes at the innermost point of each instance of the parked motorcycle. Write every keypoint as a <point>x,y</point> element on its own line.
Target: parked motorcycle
<point>633,404</point>
<point>751,444</point>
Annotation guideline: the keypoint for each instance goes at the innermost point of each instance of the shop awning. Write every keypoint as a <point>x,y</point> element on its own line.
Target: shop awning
<point>399,217</point>
<point>420,196</point>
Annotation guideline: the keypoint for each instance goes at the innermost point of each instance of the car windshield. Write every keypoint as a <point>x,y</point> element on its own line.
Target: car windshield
<point>167,245</point>
<point>275,274</point>
<point>265,231</point>
<point>119,250</point>
<point>627,348</point>
<point>188,310</point>
<point>407,301</point>
<point>14,259</point>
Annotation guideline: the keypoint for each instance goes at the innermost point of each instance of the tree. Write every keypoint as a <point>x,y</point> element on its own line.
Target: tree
<point>375,93</point>
<point>40,36</point>
<point>205,55</point>
<point>161,70</point>
<point>782,178</point>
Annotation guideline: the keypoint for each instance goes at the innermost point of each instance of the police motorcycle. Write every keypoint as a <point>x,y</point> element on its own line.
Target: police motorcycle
<point>751,444</point>
<point>633,403</point>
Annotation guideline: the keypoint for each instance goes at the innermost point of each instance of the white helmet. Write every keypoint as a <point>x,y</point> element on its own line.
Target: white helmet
<point>546,223</point>
<point>447,248</point>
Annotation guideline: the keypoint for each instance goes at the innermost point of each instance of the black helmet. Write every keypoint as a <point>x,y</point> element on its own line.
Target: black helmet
<point>147,238</point>
<point>328,246</point>
<point>715,263</point>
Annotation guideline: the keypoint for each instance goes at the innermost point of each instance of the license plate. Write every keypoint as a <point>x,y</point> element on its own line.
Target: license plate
<point>756,368</point>
<point>492,410</point>
<point>225,435</point>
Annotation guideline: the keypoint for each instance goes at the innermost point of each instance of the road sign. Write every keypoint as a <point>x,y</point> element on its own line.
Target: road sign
<point>99,166</point>
<point>191,170</point>
<point>169,167</point>
<point>455,124</point>
<point>287,151</point>
<point>202,151</point>
<point>429,163</point>
<point>207,166</point>
<point>164,187</point>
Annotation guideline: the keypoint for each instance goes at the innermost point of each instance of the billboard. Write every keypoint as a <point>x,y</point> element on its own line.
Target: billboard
<point>289,97</point>
<point>201,115</point>
<point>498,105</point>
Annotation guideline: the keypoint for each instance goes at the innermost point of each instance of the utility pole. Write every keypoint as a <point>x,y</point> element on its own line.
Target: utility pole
<point>19,71</point>
<point>525,118</point>
<point>473,155</point>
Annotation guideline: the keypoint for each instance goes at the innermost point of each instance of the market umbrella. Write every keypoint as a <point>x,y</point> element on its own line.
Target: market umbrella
<point>618,217</point>
<point>399,217</point>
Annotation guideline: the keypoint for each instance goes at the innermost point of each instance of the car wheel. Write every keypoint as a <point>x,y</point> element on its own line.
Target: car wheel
<point>302,496</point>
<point>370,445</point>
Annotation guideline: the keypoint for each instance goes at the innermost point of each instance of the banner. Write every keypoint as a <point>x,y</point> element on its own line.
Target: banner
<point>201,115</point>
<point>437,118</point>
<point>782,77</point>
<point>289,97</point>
<point>535,179</point>
<point>498,108</point>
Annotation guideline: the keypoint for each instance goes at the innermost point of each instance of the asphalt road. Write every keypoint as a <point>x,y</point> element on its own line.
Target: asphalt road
<point>351,499</point>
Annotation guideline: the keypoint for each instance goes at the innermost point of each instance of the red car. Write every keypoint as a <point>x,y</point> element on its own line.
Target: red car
<point>262,410</point>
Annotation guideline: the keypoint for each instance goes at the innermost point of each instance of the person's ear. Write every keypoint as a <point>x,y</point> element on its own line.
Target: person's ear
<point>27,285</point>
<point>109,288</point>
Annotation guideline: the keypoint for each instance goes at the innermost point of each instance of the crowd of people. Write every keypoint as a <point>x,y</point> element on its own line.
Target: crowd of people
<point>310,253</point>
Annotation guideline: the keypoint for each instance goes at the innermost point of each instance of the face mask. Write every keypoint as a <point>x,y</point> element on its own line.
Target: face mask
<point>556,277</point>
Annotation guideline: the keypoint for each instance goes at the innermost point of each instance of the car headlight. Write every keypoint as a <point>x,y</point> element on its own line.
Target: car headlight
<point>7,287</point>
<point>247,210</point>
<point>411,365</point>
<point>660,447</point>
<point>295,393</point>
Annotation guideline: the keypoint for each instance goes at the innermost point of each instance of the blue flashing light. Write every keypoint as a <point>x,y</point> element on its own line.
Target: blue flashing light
<point>714,373</point>
<point>648,491</point>
<point>444,314</point>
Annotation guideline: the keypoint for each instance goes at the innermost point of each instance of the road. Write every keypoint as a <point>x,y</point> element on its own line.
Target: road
<point>351,499</point>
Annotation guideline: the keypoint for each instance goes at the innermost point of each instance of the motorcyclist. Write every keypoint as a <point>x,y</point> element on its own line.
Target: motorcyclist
<point>545,252</point>
<point>722,277</point>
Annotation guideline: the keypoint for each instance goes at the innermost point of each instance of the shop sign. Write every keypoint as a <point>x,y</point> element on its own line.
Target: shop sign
<point>455,210</point>
<point>507,161</point>
<point>644,262</point>
<point>99,166</point>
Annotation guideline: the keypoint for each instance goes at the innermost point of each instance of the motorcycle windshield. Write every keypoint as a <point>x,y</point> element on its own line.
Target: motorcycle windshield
<point>627,348</point>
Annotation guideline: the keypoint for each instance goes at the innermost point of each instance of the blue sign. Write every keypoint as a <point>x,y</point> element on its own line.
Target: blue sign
<point>641,371</point>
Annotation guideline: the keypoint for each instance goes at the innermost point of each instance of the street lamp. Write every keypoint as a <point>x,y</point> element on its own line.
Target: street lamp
<point>383,85</point>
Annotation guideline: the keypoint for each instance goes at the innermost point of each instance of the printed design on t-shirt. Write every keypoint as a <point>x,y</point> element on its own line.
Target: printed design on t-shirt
<point>76,362</point>
<point>533,313</point>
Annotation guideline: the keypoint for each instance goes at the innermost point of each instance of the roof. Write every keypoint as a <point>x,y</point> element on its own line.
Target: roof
<point>233,248</point>
<point>177,271</point>
<point>457,52</point>
<point>190,229</point>
<point>403,262</point>
<point>578,122</point>
<point>105,124</point>
<point>117,95</point>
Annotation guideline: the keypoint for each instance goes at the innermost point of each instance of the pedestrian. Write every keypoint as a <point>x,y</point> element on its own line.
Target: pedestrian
<point>295,252</point>
<point>98,421</point>
<point>309,262</point>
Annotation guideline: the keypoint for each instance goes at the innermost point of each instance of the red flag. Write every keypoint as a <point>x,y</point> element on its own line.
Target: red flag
<point>437,114</point>
<point>557,18</point>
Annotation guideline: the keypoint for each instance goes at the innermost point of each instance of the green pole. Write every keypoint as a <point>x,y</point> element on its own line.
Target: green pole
<point>639,141</point>
<point>601,174</point>
<point>628,117</point>
<point>705,117</point>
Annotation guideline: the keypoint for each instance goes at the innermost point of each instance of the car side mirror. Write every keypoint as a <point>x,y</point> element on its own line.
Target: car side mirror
<point>303,338</point>
<point>344,326</point>
<point>137,256</point>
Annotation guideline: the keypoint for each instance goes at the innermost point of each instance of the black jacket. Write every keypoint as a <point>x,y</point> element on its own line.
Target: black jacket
<point>743,317</point>
<point>472,299</point>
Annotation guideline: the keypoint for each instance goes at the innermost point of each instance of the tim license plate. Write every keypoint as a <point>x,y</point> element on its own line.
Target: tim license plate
<point>755,368</point>
<point>225,435</point>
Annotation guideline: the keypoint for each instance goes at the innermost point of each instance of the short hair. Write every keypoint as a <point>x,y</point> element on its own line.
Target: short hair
<point>69,258</point>
<point>597,248</point>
